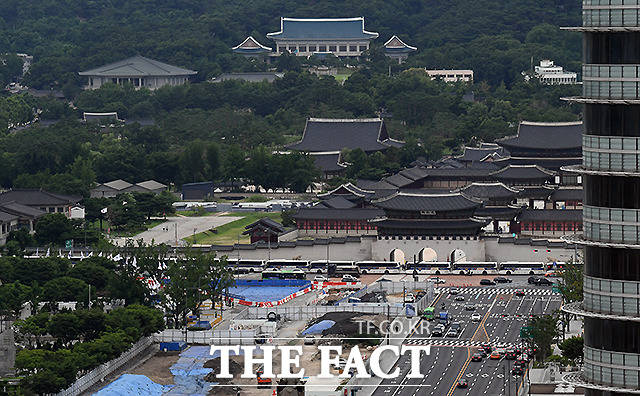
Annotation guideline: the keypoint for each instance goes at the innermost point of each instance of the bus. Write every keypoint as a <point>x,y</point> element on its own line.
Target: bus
<point>302,264</point>
<point>521,268</point>
<point>428,267</point>
<point>294,273</point>
<point>379,267</point>
<point>320,266</point>
<point>245,266</point>
<point>475,267</point>
<point>429,313</point>
<point>338,271</point>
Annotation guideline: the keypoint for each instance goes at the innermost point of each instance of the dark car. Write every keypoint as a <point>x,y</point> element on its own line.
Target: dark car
<point>544,282</point>
<point>476,357</point>
<point>519,293</point>
<point>487,282</point>
<point>502,279</point>
<point>487,348</point>
<point>532,280</point>
<point>517,370</point>
<point>482,352</point>
<point>462,383</point>
<point>511,354</point>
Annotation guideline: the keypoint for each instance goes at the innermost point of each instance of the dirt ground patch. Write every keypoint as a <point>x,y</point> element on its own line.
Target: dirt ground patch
<point>157,368</point>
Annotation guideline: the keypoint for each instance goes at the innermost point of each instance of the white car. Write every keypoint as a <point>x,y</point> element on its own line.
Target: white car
<point>309,340</point>
<point>409,298</point>
<point>349,278</point>
<point>320,278</point>
<point>437,280</point>
<point>476,317</point>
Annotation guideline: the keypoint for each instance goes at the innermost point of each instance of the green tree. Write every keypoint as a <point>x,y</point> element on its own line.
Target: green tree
<point>66,289</point>
<point>13,296</point>
<point>53,229</point>
<point>572,348</point>
<point>543,332</point>
<point>571,286</point>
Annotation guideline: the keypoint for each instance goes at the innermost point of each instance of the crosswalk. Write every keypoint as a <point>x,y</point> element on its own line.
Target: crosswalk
<point>443,342</point>
<point>493,290</point>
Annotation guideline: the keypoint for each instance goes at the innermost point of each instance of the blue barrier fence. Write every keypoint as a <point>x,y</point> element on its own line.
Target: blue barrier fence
<point>273,282</point>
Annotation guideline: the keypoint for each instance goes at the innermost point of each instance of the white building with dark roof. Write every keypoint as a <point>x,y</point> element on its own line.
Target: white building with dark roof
<point>343,37</point>
<point>139,71</point>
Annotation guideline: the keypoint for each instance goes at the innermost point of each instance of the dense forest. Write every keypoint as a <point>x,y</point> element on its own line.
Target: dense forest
<point>229,130</point>
<point>495,38</point>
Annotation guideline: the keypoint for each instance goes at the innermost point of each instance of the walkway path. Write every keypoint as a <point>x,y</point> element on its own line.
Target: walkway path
<point>178,228</point>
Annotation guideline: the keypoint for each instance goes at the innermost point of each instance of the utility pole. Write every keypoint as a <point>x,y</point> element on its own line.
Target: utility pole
<point>176,231</point>
<point>388,323</point>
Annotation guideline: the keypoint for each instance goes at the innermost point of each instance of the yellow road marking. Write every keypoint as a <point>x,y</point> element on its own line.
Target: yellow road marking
<point>464,368</point>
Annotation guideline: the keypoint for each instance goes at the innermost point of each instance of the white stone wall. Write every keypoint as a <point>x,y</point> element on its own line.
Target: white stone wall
<point>370,248</point>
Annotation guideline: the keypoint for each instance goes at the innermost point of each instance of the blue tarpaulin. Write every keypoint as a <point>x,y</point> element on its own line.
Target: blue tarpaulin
<point>131,384</point>
<point>319,327</point>
<point>267,289</point>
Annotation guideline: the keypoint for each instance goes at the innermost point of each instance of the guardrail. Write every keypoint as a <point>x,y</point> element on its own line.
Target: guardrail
<point>208,337</point>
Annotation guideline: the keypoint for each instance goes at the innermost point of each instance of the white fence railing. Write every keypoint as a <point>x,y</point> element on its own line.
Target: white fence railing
<point>99,373</point>
<point>304,313</point>
<point>208,337</point>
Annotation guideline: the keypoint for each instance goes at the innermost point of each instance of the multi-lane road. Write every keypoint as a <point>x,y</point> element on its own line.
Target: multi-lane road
<point>502,316</point>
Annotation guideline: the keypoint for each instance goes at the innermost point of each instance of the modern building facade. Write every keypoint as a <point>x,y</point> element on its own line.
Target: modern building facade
<point>611,178</point>
<point>139,71</point>
<point>550,74</point>
<point>451,75</point>
<point>342,37</point>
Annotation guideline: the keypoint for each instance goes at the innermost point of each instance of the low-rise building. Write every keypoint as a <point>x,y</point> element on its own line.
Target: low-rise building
<point>44,201</point>
<point>115,187</point>
<point>139,71</point>
<point>550,74</point>
<point>251,48</point>
<point>451,75</point>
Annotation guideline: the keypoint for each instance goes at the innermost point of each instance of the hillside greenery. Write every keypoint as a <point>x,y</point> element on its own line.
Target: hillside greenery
<point>229,130</point>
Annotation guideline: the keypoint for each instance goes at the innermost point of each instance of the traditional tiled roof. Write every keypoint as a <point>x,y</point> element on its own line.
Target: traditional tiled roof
<point>35,197</point>
<point>338,202</point>
<point>21,210</point>
<point>395,45</point>
<point>551,215</point>
<point>540,135</point>
<point>568,194</point>
<point>138,66</point>
<point>479,154</point>
<point>427,202</point>
<point>497,212</point>
<point>264,223</point>
<point>398,180</point>
<point>328,162</point>
<point>6,217</point>
<point>338,214</point>
<point>151,185</point>
<point>251,46</point>
<point>348,189</point>
<point>322,29</point>
<point>523,172</point>
<point>118,185</point>
<point>489,191</point>
<point>415,173</point>
<point>330,135</point>
<point>536,192</point>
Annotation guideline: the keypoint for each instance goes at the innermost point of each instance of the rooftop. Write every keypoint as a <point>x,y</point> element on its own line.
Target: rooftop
<point>331,135</point>
<point>250,46</point>
<point>544,136</point>
<point>118,184</point>
<point>328,162</point>
<point>322,29</point>
<point>490,191</point>
<point>523,172</point>
<point>21,210</point>
<point>415,202</point>
<point>137,66</point>
<point>471,154</point>
<point>36,197</point>
<point>151,185</point>
<point>395,45</point>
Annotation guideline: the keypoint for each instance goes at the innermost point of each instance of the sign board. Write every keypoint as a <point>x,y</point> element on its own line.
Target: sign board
<point>68,244</point>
